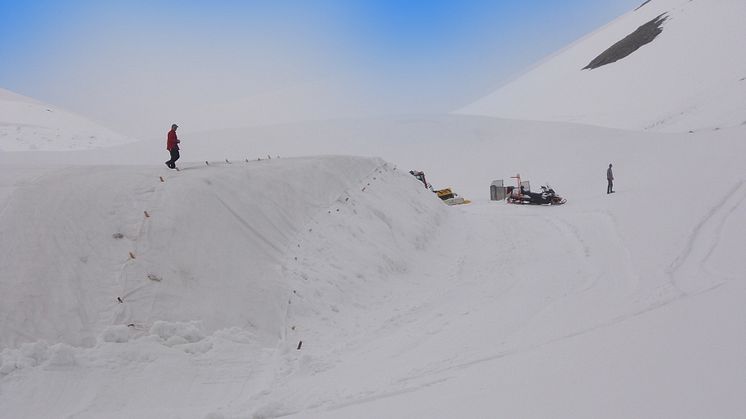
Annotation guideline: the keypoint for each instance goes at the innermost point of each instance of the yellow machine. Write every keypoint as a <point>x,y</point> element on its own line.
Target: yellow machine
<point>451,198</point>
<point>447,195</point>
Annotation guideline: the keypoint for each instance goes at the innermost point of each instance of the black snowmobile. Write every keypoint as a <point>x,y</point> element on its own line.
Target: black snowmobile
<point>547,196</point>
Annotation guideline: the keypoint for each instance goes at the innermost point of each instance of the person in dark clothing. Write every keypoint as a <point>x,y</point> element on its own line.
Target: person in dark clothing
<point>172,145</point>
<point>610,179</point>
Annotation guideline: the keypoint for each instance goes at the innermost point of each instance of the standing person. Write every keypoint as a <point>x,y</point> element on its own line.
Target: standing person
<point>610,179</point>
<point>172,145</point>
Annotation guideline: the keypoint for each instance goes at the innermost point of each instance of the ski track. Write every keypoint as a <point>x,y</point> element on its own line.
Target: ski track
<point>367,397</point>
<point>619,268</point>
<point>702,241</point>
<point>608,279</point>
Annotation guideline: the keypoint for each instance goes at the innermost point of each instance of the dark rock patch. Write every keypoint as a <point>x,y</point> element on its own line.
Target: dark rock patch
<point>640,6</point>
<point>645,34</point>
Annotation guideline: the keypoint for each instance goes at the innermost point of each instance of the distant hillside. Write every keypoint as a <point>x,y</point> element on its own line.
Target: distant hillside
<point>27,124</point>
<point>669,65</point>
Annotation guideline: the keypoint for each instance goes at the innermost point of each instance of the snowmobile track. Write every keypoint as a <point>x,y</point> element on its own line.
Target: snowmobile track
<point>689,268</point>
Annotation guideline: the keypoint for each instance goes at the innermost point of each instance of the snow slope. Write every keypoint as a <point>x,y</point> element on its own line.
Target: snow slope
<point>26,124</point>
<point>691,77</point>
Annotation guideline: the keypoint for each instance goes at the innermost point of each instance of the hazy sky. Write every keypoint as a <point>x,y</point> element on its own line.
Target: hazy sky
<point>138,66</point>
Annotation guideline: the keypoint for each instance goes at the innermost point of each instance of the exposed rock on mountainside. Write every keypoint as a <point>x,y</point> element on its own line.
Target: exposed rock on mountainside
<point>645,34</point>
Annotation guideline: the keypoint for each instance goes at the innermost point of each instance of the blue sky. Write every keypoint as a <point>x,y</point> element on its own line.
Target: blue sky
<point>120,62</point>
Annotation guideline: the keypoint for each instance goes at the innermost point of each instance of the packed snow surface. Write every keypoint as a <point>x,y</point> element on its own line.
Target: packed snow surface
<point>27,124</point>
<point>338,287</point>
<point>691,77</point>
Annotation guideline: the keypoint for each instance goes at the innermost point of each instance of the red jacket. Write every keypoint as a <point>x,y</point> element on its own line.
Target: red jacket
<point>172,141</point>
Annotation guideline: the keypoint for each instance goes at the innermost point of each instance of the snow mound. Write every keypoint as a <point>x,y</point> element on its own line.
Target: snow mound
<point>690,77</point>
<point>26,124</point>
<point>130,251</point>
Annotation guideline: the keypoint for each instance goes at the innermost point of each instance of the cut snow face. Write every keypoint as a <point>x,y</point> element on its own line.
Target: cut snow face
<point>645,34</point>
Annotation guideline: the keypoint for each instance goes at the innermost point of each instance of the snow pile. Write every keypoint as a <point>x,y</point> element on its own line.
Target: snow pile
<point>210,243</point>
<point>117,334</point>
<point>177,333</point>
<point>26,124</point>
<point>691,77</point>
<point>248,256</point>
<point>169,333</point>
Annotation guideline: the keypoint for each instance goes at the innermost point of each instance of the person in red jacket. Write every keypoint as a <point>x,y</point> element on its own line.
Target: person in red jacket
<point>172,145</point>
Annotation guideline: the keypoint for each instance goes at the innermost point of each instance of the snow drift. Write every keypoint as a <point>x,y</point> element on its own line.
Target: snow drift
<point>691,76</point>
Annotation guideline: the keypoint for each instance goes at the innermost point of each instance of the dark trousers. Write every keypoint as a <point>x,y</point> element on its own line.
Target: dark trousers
<point>174,156</point>
<point>610,188</point>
